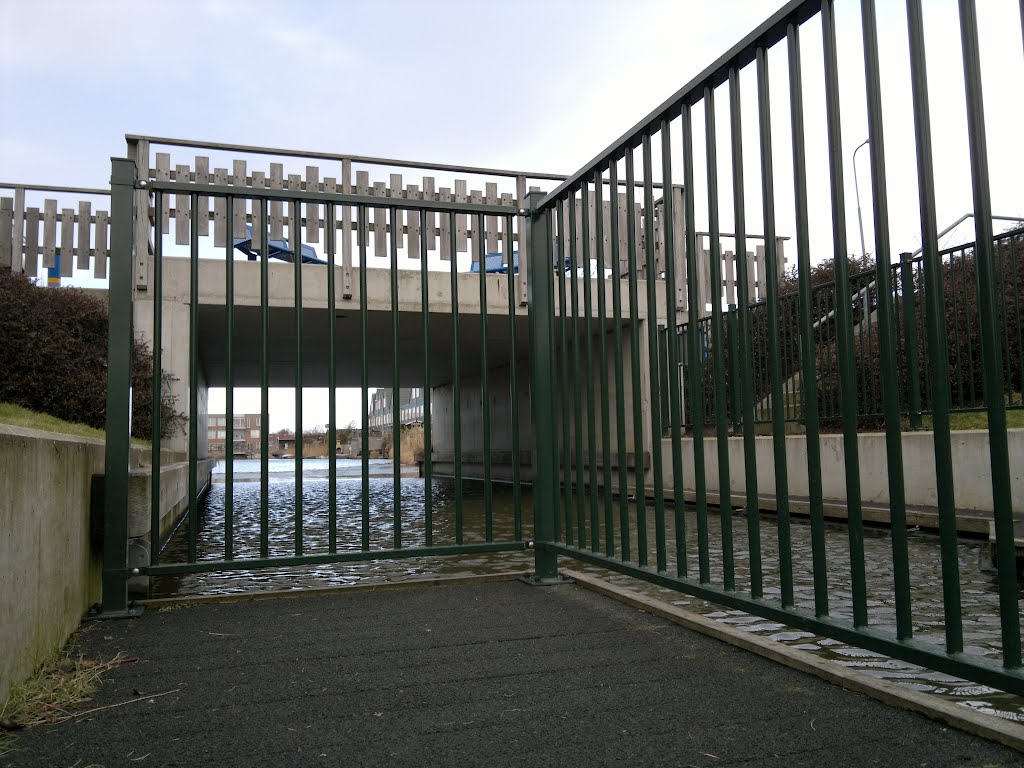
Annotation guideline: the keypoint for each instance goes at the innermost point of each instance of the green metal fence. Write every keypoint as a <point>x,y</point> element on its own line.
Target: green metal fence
<point>305,300</point>
<point>786,335</point>
<point>601,279</point>
<point>908,322</point>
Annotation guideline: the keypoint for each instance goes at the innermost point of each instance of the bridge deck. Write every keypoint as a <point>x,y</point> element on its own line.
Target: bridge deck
<point>487,674</point>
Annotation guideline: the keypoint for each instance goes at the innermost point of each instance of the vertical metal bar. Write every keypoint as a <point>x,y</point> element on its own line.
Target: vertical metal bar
<point>992,365</point>
<point>872,386</point>
<point>229,386</point>
<point>396,403</point>
<point>158,372</point>
<point>332,383</point>
<point>965,297</point>
<point>1022,22</point>
<point>1004,317</point>
<point>899,319</point>
<point>264,383</point>
<point>364,381</point>
<point>634,349</point>
<point>541,309</point>
<point>653,354</point>
<point>886,333</point>
<point>863,326</point>
<point>731,373</point>
<point>581,518</point>
<point>663,379</point>
<point>456,375</point>
<point>568,457</point>
<point>513,374</point>
<point>809,385</point>
<point>588,285</point>
<point>693,353</point>
<point>672,352</point>
<point>718,344</point>
<point>1019,313</point>
<point>744,347</point>
<point>910,340</point>
<point>485,394</point>
<point>119,374</point>
<point>602,314</point>
<point>774,353</point>
<point>620,393</point>
<point>193,387</point>
<point>428,461</point>
<point>296,238</point>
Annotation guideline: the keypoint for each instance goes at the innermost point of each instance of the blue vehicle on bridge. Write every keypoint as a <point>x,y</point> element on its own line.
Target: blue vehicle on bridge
<point>278,249</point>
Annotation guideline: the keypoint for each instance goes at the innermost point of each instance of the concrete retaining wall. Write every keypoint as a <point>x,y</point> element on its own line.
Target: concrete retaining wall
<point>48,575</point>
<point>972,476</point>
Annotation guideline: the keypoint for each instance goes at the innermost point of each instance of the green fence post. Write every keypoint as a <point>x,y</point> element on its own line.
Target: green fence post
<point>910,340</point>
<point>540,300</point>
<point>123,176</point>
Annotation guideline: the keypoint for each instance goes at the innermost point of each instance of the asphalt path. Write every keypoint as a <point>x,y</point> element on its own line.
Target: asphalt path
<point>495,674</point>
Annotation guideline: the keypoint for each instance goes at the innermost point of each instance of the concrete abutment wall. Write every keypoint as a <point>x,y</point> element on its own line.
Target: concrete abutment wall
<point>50,574</point>
<point>972,476</point>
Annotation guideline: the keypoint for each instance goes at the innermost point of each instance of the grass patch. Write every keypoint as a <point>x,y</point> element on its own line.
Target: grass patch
<point>23,417</point>
<point>62,682</point>
<point>979,420</point>
<point>964,420</point>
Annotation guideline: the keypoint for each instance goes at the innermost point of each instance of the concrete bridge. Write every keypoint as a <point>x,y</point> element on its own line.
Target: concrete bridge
<point>315,322</point>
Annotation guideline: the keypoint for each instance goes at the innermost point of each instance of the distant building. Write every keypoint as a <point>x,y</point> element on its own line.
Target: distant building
<point>412,410</point>
<point>246,434</point>
<point>410,404</point>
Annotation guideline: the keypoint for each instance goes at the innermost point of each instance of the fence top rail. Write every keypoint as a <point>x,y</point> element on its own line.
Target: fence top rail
<point>339,198</point>
<point>50,188</point>
<point>250,149</point>
<point>771,31</point>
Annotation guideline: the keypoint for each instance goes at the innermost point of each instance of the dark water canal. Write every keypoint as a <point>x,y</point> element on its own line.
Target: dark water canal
<point>979,593</point>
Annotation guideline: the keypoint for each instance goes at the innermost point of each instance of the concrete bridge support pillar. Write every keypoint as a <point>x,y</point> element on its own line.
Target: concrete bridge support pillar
<point>472,432</point>
<point>581,382</point>
<point>442,399</point>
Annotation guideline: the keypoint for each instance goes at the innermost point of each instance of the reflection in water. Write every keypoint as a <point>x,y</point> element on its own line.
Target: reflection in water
<point>980,597</point>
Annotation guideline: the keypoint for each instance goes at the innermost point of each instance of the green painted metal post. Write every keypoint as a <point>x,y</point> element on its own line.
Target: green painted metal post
<point>992,362</point>
<point>540,287</point>
<point>119,373</point>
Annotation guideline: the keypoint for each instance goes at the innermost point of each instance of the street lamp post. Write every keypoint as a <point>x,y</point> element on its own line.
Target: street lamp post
<point>856,186</point>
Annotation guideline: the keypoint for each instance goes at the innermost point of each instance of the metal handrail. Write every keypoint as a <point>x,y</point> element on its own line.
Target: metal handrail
<point>960,221</point>
<point>49,188</point>
<point>366,160</point>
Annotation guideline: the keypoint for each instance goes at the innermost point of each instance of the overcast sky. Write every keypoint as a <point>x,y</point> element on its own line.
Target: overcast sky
<point>540,86</point>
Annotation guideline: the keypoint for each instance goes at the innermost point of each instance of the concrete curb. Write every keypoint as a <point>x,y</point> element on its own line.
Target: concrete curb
<point>277,594</point>
<point>1001,731</point>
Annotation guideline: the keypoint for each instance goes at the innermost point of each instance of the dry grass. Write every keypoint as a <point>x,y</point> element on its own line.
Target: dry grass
<point>412,445</point>
<point>64,681</point>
